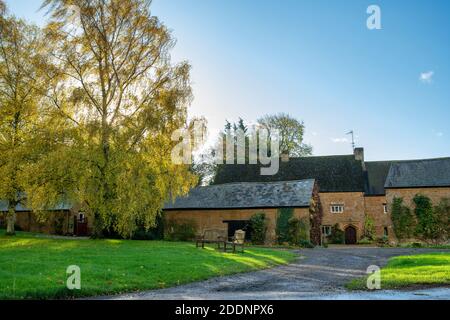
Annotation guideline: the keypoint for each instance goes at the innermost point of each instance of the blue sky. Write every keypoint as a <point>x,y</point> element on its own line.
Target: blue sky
<point>316,60</point>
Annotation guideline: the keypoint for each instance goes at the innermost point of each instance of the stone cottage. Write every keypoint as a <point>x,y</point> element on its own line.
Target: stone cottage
<point>352,189</point>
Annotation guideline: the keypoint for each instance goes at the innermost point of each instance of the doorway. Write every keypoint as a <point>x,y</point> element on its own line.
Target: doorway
<point>350,235</point>
<point>234,225</point>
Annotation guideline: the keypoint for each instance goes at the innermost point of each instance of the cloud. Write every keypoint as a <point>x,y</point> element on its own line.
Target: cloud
<point>438,134</point>
<point>314,134</point>
<point>426,77</point>
<point>340,140</point>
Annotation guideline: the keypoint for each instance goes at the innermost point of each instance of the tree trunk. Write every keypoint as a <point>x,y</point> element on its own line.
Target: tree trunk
<point>97,232</point>
<point>11,221</point>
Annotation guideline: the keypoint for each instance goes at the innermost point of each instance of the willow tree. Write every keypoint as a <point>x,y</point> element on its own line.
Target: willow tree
<point>20,87</point>
<point>122,98</point>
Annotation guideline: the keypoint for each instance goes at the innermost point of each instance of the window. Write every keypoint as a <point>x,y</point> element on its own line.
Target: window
<point>81,217</point>
<point>386,232</point>
<point>326,230</point>
<point>385,208</point>
<point>337,208</point>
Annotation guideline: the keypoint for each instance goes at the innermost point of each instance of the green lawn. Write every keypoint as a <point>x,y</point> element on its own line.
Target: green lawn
<point>34,267</point>
<point>431,269</point>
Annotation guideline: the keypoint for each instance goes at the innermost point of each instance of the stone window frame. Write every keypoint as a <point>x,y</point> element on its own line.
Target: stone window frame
<point>326,228</point>
<point>337,208</point>
<point>385,208</point>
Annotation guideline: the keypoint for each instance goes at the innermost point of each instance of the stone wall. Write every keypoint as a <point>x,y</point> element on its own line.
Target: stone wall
<point>55,222</point>
<point>214,219</point>
<point>435,194</point>
<point>408,194</point>
<point>353,214</point>
<point>375,210</point>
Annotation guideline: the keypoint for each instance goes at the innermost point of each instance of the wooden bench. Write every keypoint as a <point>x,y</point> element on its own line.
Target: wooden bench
<point>214,236</point>
<point>238,240</point>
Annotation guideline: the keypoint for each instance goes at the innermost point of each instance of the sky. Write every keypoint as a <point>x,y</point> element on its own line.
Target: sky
<point>317,61</point>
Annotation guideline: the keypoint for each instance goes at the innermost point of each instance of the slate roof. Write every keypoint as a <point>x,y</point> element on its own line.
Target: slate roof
<point>419,173</point>
<point>377,172</point>
<point>295,194</point>
<point>63,206</point>
<point>332,173</point>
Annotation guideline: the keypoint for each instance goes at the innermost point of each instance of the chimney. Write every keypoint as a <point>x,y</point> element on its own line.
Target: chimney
<point>285,156</point>
<point>359,156</point>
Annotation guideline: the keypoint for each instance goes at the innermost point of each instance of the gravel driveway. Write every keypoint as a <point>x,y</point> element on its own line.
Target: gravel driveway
<point>317,274</point>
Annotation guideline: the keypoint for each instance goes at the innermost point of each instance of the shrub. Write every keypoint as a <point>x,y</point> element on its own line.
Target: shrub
<point>155,233</point>
<point>442,211</point>
<point>428,226</point>
<point>416,245</point>
<point>365,241</point>
<point>297,231</point>
<point>180,231</point>
<point>383,242</point>
<point>306,244</point>
<point>402,220</point>
<point>258,227</point>
<point>369,228</point>
<point>337,236</point>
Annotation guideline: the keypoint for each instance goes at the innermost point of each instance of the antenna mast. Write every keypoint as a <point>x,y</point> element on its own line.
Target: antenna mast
<point>353,139</point>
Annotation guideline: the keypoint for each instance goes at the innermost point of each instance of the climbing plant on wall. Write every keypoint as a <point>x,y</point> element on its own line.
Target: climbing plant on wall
<point>258,225</point>
<point>427,222</point>
<point>402,219</point>
<point>369,228</point>
<point>298,231</point>
<point>282,229</point>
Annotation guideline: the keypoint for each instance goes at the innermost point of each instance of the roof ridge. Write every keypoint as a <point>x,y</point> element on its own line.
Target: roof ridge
<point>327,156</point>
<point>409,160</point>
<point>259,182</point>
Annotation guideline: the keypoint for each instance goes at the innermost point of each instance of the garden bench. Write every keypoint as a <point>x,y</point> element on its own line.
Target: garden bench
<point>215,236</point>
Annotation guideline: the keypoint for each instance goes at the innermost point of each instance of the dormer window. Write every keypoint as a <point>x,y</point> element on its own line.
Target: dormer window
<point>337,208</point>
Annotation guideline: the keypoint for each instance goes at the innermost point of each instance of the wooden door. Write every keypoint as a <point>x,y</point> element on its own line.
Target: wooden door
<point>350,235</point>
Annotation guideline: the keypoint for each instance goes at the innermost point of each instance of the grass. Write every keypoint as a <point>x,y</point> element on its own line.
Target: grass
<point>427,246</point>
<point>431,269</point>
<point>34,267</point>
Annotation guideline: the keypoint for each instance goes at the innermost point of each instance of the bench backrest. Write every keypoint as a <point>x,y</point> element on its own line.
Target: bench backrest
<point>213,234</point>
<point>239,236</point>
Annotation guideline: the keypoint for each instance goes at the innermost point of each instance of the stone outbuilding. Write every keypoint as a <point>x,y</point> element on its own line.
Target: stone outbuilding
<point>62,219</point>
<point>429,177</point>
<point>229,207</point>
